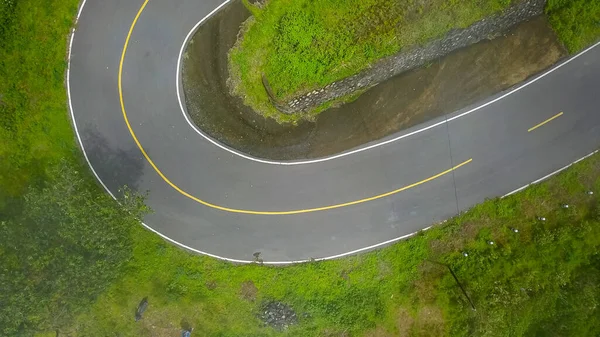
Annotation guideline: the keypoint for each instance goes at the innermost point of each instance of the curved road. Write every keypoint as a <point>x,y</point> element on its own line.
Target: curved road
<point>213,201</point>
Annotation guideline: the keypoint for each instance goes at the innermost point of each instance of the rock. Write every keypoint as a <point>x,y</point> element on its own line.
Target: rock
<point>141,308</point>
<point>278,315</point>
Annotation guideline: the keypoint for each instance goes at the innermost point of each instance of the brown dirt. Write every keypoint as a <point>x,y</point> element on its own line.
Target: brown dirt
<point>248,291</point>
<point>453,82</point>
<point>429,322</point>
<point>405,323</point>
<point>425,287</point>
<point>158,324</point>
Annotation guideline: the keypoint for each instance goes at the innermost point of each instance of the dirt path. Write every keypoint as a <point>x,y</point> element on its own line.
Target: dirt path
<point>451,83</point>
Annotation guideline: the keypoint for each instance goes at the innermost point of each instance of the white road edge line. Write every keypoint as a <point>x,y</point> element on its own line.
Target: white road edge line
<point>73,30</point>
<point>343,154</point>
<point>71,104</point>
<point>549,175</point>
<point>166,237</point>
<point>274,263</point>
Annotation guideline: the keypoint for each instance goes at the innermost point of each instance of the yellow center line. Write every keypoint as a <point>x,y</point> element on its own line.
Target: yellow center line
<point>546,121</point>
<point>235,210</point>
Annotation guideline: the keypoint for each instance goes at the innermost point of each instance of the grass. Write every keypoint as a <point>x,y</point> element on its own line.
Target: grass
<point>576,22</point>
<point>303,44</point>
<point>542,280</point>
<point>42,255</point>
<point>34,126</point>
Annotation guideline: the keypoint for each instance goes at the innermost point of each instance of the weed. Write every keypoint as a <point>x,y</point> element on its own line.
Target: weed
<point>576,22</point>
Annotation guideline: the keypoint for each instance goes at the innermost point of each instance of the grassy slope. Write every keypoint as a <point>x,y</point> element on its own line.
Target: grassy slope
<point>303,44</point>
<point>300,45</point>
<point>34,125</point>
<point>519,285</point>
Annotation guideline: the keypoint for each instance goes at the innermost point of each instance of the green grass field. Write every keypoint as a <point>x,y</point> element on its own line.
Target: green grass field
<point>58,229</point>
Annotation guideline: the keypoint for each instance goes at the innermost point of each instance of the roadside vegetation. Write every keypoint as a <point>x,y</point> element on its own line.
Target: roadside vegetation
<point>63,240</point>
<point>302,45</point>
<point>576,22</point>
<point>538,278</point>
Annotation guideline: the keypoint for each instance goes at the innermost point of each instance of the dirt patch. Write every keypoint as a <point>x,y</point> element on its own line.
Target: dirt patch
<point>405,323</point>
<point>215,111</point>
<point>426,286</point>
<point>334,333</point>
<point>379,332</point>
<point>248,291</point>
<point>451,83</point>
<point>278,315</point>
<point>159,325</point>
<point>429,322</point>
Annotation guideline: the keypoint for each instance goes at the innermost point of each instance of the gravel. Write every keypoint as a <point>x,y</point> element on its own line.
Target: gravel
<point>278,315</point>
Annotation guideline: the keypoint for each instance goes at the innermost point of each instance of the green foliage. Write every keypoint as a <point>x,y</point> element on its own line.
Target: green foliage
<point>34,129</point>
<point>7,9</point>
<point>540,280</point>
<point>66,245</point>
<point>576,22</point>
<point>303,44</point>
<point>62,239</point>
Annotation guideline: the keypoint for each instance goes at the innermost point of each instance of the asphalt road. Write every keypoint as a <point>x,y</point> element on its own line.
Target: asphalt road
<point>505,156</point>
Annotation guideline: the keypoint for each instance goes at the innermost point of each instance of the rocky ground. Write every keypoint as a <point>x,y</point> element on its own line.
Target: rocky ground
<point>278,315</point>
